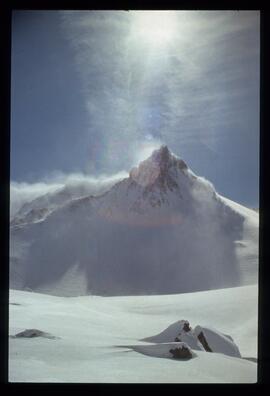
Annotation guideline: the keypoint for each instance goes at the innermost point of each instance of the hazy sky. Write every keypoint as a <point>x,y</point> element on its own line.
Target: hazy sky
<point>94,92</point>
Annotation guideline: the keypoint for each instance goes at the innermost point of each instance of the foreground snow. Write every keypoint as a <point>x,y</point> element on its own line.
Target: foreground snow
<point>93,331</point>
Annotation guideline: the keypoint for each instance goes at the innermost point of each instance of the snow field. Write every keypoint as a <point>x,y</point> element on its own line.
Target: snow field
<point>90,329</point>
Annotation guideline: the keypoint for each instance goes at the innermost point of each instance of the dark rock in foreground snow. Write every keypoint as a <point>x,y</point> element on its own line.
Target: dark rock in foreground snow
<point>176,350</point>
<point>33,333</point>
<point>182,352</point>
<point>179,331</point>
<point>201,338</point>
<point>217,341</point>
<point>203,341</point>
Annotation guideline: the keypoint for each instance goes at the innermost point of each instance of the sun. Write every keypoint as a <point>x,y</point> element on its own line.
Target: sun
<point>156,28</point>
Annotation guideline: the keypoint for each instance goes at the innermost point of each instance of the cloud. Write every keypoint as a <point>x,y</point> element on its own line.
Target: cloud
<point>74,185</point>
<point>21,193</point>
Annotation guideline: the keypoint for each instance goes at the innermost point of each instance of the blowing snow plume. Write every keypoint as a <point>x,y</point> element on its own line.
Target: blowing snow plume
<point>56,190</point>
<point>160,230</point>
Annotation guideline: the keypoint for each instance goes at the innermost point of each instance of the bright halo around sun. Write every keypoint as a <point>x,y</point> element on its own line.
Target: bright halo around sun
<point>156,28</point>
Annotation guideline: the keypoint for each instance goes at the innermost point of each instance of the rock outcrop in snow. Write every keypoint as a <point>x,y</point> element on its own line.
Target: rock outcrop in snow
<point>172,350</point>
<point>201,338</point>
<point>161,230</point>
<point>33,333</point>
<point>181,352</point>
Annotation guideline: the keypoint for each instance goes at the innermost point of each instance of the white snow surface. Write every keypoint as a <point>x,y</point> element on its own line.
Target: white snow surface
<point>161,230</point>
<point>247,248</point>
<point>173,331</point>
<point>98,336</point>
<point>161,350</point>
<point>218,342</point>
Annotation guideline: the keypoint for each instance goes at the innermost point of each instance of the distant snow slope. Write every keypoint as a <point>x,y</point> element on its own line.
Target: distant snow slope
<point>91,328</point>
<point>247,248</point>
<point>160,230</point>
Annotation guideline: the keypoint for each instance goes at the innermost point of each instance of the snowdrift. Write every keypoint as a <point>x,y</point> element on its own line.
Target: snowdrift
<point>88,329</point>
<point>166,350</point>
<point>202,338</point>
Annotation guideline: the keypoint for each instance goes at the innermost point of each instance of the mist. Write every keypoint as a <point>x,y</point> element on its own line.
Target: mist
<point>73,185</point>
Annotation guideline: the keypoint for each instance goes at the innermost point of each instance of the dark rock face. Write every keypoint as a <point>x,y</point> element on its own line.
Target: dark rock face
<point>186,327</point>
<point>29,333</point>
<point>165,162</point>
<point>181,353</point>
<point>204,343</point>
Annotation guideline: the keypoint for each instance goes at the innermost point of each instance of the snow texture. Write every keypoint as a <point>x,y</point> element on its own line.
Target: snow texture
<point>218,342</point>
<point>91,329</point>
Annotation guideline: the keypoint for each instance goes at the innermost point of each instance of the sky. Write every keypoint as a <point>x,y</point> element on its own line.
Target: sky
<point>94,92</point>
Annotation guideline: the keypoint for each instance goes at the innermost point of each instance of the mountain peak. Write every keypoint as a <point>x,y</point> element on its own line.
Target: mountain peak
<point>164,157</point>
<point>161,152</point>
<point>158,167</point>
<point>161,156</point>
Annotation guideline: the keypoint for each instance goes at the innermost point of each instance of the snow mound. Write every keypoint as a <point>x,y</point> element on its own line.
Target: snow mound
<point>218,342</point>
<point>177,350</point>
<point>167,335</point>
<point>177,332</point>
<point>201,338</point>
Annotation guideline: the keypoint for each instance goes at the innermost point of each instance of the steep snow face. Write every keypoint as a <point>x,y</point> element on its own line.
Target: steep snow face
<point>160,230</point>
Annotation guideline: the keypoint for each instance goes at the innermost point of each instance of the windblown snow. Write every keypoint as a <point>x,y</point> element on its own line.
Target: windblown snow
<point>161,230</point>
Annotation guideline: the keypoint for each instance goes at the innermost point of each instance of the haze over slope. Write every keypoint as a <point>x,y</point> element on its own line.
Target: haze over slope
<point>160,230</point>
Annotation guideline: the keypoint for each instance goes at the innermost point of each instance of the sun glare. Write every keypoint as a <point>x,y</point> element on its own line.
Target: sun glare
<point>154,27</point>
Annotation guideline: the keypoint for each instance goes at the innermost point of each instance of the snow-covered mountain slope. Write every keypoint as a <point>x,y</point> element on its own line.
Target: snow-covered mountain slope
<point>88,331</point>
<point>160,230</point>
<point>247,248</point>
<point>58,195</point>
